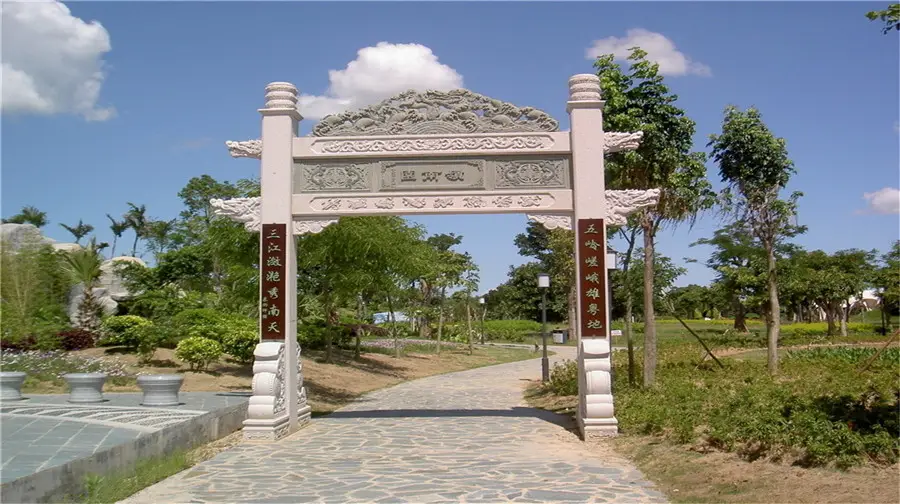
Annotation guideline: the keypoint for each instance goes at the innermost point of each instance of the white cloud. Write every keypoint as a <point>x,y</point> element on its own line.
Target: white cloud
<point>660,49</point>
<point>883,201</point>
<point>52,61</point>
<point>378,73</point>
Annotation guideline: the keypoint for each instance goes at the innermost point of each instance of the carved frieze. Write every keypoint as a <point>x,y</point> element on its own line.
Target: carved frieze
<point>436,112</point>
<point>552,221</point>
<point>433,144</point>
<point>432,174</point>
<point>549,173</point>
<point>428,204</point>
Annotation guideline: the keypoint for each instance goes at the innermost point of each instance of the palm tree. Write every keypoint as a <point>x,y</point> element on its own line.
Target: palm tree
<point>29,215</point>
<point>136,217</point>
<point>158,234</point>
<point>84,267</point>
<point>79,231</point>
<point>117,227</point>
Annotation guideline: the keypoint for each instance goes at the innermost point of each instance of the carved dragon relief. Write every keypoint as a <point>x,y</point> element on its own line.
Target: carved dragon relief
<point>436,112</point>
<point>247,210</point>
<point>619,205</point>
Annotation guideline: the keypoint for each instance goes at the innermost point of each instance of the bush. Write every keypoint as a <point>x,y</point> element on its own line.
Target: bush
<point>821,411</point>
<point>198,352</point>
<point>125,330</point>
<point>201,323</point>
<point>76,339</point>
<point>516,331</point>
<point>564,378</point>
<point>241,341</point>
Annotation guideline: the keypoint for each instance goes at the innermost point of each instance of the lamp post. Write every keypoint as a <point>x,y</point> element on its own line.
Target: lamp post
<point>483,313</point>
<point>544,285</point>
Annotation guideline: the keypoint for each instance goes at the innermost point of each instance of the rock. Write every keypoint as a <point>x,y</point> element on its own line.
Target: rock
<point>112,282</point>
<point>18,236</point>
<point>110,290</point>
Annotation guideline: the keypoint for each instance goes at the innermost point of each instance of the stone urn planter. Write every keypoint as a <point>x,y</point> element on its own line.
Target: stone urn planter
<point>85,387</point>
<point>11,385</point>
<point>160,390</point>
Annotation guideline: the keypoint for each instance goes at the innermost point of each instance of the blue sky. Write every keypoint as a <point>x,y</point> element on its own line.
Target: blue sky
<point>184,77</point>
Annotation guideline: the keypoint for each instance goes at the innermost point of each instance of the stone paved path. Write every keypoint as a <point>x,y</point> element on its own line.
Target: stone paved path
<point>460,437</point>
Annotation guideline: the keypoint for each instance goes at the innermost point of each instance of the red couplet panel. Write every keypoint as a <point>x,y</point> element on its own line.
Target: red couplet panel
<point>273,270</point>
<point>591,267</point>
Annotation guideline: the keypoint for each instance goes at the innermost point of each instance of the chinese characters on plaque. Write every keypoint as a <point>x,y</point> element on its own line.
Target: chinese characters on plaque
<point>272,278</point>
<point>592,275</point>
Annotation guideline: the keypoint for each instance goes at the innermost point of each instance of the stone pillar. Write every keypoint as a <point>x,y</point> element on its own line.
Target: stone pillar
<point>595,404</point>
<point>278,405</point>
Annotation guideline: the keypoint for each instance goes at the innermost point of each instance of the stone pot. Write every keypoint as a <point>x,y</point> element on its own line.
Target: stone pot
<point>85,387</point>
<point>11,385</point>
<point>160,390</point>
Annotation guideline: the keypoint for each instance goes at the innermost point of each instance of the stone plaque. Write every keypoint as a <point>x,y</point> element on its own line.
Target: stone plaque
<point>591,245</point>
<point>273,269</point>
<point>443,174</point>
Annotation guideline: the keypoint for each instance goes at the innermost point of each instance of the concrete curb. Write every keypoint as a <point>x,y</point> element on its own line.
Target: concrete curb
<point>55,483</point>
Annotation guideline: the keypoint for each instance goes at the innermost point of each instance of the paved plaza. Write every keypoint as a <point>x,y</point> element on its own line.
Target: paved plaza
<point>459,437</point>
<point>44,431</point>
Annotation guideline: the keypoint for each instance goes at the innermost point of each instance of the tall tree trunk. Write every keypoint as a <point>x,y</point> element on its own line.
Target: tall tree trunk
<point>134,246</point>
<point>469,321</point>
<point>330,326</point>
<point>393,320</point>
<point>112,253</point>
<point>829,318</point>
<point>740,315</point>
<point>629,335</point>
<point>440,320</point>
<point>649,315</point>
<point>360,314</point>
<point>845,318</point>
<point>629,304</point>
<point>773,322</point>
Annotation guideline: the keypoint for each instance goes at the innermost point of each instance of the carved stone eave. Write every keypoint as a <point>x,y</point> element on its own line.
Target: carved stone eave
<point>613,142</point>
<point>619,205</point>
<point>247,211</point>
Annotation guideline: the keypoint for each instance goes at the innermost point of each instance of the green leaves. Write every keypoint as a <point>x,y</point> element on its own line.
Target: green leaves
<point>890,17</point>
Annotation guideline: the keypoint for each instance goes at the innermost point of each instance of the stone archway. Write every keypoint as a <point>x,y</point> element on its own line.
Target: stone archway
<point>433,152</point>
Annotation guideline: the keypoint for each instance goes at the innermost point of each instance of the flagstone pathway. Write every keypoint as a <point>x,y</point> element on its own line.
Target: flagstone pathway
<point>459,437</point>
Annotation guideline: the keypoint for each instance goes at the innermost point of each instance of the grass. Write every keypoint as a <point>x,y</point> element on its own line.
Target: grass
<point>739,435</point>
<point>123,483</point>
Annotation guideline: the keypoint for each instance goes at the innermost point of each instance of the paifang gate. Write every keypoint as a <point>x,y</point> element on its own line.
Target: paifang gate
<point>434,152</point>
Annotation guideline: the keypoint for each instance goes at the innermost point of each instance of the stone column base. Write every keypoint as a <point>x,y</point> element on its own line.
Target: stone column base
<point>269,429</point>
<point>598,429</point>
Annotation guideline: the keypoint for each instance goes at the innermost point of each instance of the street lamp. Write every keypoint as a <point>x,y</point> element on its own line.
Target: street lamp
<point>483,313</point>
<point>544,285</point>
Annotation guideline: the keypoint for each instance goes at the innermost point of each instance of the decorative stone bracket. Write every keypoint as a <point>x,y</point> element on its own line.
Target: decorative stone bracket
<point>247,211</point>
<point>619,205</point>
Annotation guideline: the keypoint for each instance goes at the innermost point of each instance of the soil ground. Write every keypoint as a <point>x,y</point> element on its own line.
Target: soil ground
<point>329,386</point>
<point>689,476</point>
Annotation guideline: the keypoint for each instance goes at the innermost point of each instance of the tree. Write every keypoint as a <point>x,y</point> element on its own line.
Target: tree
<point>887,281</point>
<point>84,266</point>
<point>692,301</point>
<point>117,228</point>
<point>29,215</point>
<point>159,235</point>
<point>890,17</point>
<point>555,250</point>
<point>640,101</point>
<point>755,166</point>
<point>79,231</point>
<point>136,217</point>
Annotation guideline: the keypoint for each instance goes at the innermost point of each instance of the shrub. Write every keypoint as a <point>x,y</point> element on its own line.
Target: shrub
<point>125,330</point>
<point>516,331</point>
<point>198,352</point>
<point>201,323</point>
<point>241,341</point>
<point>76,339</point>
<point>564,378</point>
